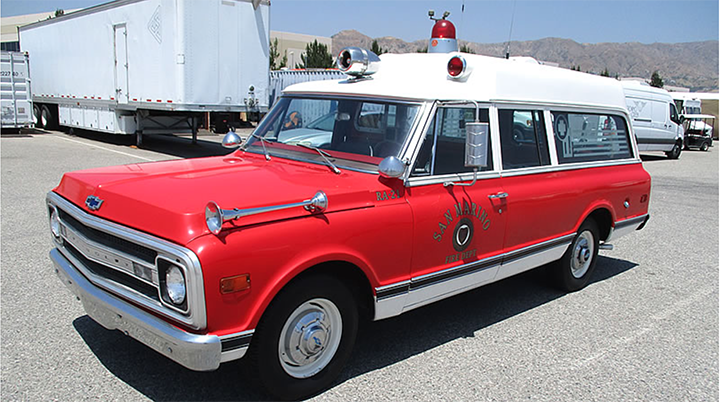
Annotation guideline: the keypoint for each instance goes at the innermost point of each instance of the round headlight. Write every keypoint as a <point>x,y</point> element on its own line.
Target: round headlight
<point>175,283</point>
<point>213,217</point>
<point>55,223</point>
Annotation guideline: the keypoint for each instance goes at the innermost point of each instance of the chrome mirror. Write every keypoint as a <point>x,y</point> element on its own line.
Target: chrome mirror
<point>476,144</point>
<point>391,167</point>
<point>231,140</point>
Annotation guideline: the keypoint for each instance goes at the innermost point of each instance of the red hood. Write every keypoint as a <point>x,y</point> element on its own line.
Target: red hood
<point>167,199</point>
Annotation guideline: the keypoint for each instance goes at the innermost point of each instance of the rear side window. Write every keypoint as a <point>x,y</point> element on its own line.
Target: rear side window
<point>522,139</point>
<point>584,137</point>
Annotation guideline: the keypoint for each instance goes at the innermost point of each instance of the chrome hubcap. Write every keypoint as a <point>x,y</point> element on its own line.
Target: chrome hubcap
<point>310,338</point>
<point>583,250</point>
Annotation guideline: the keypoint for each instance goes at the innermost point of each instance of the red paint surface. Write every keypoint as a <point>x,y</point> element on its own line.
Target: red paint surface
<point>376,224</point>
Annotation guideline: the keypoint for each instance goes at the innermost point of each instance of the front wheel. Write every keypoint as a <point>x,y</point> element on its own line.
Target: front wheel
<point>705,146</point>
<point>675,152</point>
<point>305,337</point>
<point>574,269</point>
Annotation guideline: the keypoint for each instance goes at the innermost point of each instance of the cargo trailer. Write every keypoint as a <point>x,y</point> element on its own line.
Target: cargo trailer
<point>15,90</point>
<point>149,66</point>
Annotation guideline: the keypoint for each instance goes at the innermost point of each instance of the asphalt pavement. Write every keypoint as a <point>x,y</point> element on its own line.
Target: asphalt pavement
<point>646,328</point>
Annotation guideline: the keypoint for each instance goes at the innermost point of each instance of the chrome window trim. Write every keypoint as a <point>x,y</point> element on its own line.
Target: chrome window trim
<point>196,317</point>
<point>391,300</point>
<point>550,137</point>
<point>565,167</point>
<point>467,176</point>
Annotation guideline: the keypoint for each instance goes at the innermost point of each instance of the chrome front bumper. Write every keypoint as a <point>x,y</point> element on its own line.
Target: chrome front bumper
<point>196,352</point>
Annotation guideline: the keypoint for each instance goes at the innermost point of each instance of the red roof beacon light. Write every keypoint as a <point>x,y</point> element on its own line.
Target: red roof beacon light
<point>443,38</point>
<point>456,67</point>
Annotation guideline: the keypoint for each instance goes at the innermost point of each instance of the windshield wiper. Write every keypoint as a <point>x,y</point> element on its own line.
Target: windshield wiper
<point>262,142</point>
<point>324,155</point>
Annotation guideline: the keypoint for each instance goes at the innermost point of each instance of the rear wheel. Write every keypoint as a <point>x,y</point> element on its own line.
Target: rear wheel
<point>675,152</point>
<point>705,146</point>
<point>305,337</point>
<point>574,269</point>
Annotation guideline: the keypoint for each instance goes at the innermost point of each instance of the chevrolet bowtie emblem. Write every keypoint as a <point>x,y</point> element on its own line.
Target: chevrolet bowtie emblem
<point>93,203</point>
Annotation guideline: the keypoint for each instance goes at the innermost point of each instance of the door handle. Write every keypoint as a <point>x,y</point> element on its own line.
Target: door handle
<point>497,196</point>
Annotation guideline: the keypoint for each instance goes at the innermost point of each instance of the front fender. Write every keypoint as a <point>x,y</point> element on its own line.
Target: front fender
<point>376,240</point>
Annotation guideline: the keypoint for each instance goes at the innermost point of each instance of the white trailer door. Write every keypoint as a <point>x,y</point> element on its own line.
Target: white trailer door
<point>121,63</point>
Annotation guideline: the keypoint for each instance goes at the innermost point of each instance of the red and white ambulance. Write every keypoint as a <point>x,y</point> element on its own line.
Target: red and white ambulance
<point>418,177</point>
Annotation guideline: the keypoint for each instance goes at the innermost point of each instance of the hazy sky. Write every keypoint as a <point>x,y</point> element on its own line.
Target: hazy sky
<point>485,21</point>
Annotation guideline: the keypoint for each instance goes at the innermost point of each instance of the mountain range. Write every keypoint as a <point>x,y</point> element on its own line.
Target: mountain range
<point>692,65</point>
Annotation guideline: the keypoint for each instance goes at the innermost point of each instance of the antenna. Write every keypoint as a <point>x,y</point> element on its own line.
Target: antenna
<point>512,20</point>
<point>462,14</point>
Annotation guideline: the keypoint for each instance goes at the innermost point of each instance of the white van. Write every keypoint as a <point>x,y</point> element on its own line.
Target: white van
<point>655,118</point>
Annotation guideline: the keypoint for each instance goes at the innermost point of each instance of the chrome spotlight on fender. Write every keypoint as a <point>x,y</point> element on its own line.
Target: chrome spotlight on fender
<point>231,140</point>
<point>358,62</point>
<point>216,216</point>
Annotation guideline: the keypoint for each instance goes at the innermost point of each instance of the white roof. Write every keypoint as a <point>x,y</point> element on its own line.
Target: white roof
<point>424,76</point>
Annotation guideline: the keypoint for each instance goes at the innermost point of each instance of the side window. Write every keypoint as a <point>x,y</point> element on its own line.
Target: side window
<point>674,114</point>
<point>522,139</point>
<point>443,148</point>
<point>583,137</point>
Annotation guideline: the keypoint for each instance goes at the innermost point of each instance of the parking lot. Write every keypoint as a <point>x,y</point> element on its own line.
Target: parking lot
<point>646,328</point>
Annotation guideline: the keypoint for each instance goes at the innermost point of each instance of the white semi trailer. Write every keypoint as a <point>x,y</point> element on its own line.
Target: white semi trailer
<point>149,66</point>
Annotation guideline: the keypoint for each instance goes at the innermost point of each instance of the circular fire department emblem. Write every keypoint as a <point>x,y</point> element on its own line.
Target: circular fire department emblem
<point>462,236</point>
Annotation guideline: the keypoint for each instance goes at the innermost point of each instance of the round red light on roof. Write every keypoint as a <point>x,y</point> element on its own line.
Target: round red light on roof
<point>443,29</point>
<point>456,66</point>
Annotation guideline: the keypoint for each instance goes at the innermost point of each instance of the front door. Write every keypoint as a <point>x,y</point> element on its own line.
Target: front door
<point>459,230</point>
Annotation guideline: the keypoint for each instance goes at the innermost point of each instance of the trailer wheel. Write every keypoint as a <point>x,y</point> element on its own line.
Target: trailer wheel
<point>705,146</point>
<point>37,116</point>
<point>47,118</point>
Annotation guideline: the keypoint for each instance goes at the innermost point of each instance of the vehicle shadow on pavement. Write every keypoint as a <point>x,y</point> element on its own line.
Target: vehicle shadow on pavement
<point>379,344</point>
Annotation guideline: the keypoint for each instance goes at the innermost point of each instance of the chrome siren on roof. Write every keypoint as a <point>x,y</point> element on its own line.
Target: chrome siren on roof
<point>357,61</point>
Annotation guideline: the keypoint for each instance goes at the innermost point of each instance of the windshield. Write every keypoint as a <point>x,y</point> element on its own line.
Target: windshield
<point>365,131</point>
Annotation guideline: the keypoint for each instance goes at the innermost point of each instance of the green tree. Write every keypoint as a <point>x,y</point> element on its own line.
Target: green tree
<point>466,49</point>
<point>59,12</point>
<point>275,56</point>
<point>605,73</point>
<point>422,50</point>
<point>656,80</point>
<point>316,56</point>
<point>375,48</point>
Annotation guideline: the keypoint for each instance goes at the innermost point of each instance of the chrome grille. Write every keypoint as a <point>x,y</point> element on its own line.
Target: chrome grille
<point>125,262</point>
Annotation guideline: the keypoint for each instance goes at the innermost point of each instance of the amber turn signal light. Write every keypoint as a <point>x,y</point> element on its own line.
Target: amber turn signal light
<point>234,284</point>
